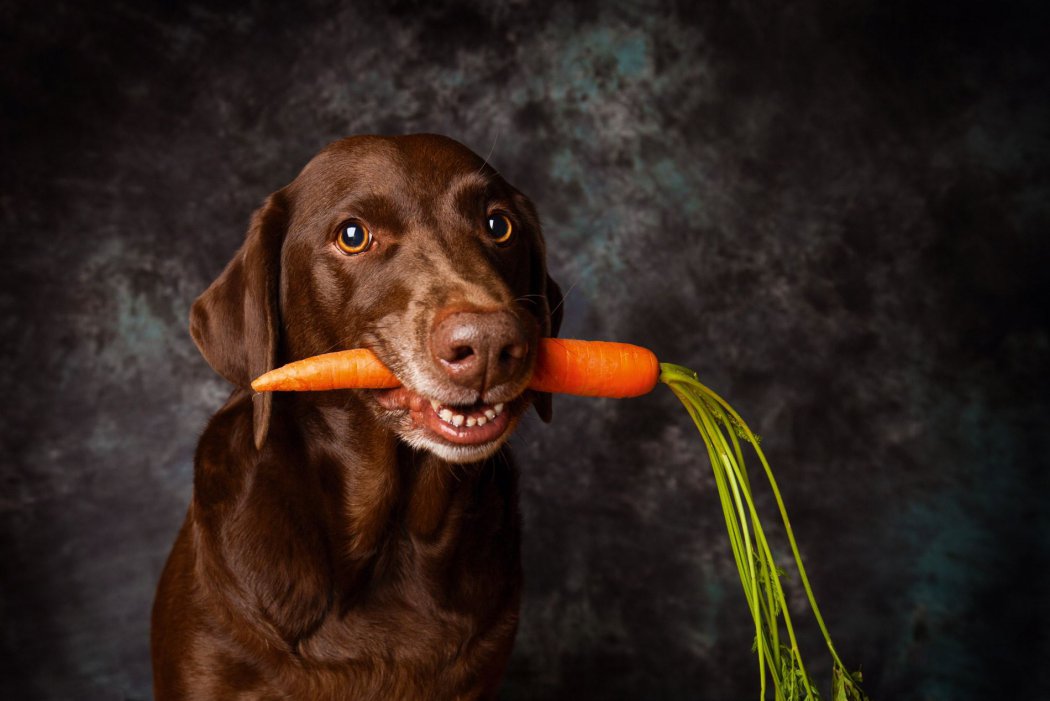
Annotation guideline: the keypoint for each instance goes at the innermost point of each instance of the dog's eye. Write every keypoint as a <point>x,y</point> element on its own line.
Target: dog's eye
<point>500,228</point>
<point>354,237</point>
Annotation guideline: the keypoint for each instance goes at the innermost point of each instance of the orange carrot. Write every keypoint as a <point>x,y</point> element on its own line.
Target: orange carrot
<point>585,368</point>
<point>594,368</point>
<point>358,368</point>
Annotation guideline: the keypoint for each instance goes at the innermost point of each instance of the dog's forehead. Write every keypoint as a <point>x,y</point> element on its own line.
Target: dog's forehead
<point>401,183</point>
<point>420,166</point>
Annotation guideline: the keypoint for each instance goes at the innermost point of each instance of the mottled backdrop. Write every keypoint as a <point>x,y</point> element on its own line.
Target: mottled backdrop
<point>837,212</point>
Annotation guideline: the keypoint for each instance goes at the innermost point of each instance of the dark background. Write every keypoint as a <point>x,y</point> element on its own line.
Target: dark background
<point>836,212</point>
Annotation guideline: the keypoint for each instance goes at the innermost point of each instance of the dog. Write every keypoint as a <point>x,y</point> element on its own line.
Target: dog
<point>363,544</point>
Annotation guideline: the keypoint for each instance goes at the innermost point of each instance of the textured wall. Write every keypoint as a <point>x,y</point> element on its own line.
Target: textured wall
<point>836,212</point>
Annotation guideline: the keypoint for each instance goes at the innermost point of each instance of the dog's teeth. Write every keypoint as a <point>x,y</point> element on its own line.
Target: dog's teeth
<point>498,408</point>
<point>471,421</point>
<point>458,420</point>
<point>434,404</point>
<point>490,414</point>
<point>482,420</point>
<point>446,415</point>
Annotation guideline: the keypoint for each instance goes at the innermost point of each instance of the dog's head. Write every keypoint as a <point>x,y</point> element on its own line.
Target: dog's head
<point>414,247</point>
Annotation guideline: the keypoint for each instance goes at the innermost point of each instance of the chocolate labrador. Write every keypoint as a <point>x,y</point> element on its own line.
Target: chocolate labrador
<point>362,544</point>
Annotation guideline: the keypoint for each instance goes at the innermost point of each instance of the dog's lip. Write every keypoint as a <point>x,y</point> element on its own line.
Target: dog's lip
<point>399,398</point>
<point>425,413</point>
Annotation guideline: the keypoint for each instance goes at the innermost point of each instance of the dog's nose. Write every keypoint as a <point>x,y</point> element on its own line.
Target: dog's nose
<point>479,350</point>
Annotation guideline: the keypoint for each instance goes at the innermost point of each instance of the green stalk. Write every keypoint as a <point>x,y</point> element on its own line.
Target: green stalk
<point>772,606</point>
<point>784,517</point>
<point>708,431</point>
<point>765,648</point>
<point>753,557</point>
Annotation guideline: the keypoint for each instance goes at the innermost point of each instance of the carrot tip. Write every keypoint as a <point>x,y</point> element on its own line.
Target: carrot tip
<point>262,383</point>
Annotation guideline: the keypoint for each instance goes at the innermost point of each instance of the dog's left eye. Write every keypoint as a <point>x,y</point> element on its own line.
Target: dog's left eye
<point>354,237</point>
<point>500,228</point>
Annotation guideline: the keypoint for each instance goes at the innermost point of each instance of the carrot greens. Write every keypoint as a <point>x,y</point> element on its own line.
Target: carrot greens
<point>779,658</point>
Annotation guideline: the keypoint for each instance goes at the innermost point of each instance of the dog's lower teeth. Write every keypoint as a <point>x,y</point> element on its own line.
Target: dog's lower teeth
<point>482,417</point>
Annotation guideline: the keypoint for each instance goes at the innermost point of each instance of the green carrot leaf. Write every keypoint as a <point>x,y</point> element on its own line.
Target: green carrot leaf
<point>721,429</point>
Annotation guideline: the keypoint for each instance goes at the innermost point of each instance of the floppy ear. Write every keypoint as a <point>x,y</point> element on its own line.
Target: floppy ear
<point>235,322</point>
<point>543,401</point>
<point>554,303</point>
<point>542,288</point>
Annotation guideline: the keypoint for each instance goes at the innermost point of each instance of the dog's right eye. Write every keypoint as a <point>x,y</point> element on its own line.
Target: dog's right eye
<point>500,228</point>
<point>354,237</point>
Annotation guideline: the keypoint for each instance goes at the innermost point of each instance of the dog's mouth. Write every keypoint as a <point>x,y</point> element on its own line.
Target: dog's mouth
<point>476,425</point>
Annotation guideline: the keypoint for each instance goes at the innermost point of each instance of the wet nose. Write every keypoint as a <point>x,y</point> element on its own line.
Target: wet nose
<point>479,350</point>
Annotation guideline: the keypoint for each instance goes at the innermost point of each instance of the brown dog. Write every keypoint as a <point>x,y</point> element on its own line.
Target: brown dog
<point>362,544</point>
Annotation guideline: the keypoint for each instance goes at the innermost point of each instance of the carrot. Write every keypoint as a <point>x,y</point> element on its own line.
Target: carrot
<point>594,368</point>
<point>585,368</point>
<point>358,368</point>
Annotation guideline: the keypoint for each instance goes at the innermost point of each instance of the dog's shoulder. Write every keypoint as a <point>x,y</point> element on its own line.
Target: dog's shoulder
<point>263,543</point>
<point>224,451</point>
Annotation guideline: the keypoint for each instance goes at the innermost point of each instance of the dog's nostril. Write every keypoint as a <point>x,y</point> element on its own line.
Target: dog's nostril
<point>514,351</point>
<point>460,353</point>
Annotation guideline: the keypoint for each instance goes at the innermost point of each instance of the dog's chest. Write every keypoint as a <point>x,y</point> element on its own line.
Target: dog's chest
<point>383,646</point>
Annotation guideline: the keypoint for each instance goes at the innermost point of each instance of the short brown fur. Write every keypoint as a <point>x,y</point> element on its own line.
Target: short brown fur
<point>322,557</point>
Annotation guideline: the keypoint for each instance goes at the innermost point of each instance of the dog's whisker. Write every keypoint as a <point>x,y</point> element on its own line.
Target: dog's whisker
<point>491,151</point>
<point>564,296</point>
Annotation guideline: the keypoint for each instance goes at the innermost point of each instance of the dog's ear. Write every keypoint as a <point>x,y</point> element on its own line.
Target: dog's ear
<point>235,321</point>
<point>543,289</point>
<point>554,303</point>
<point>543,401</point>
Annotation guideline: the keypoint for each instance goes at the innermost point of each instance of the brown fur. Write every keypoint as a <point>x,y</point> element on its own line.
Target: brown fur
<point>322,556</point>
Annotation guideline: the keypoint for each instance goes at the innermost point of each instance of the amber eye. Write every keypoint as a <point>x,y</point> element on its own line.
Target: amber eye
<point>354,237</point>
<point>500,228</point>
